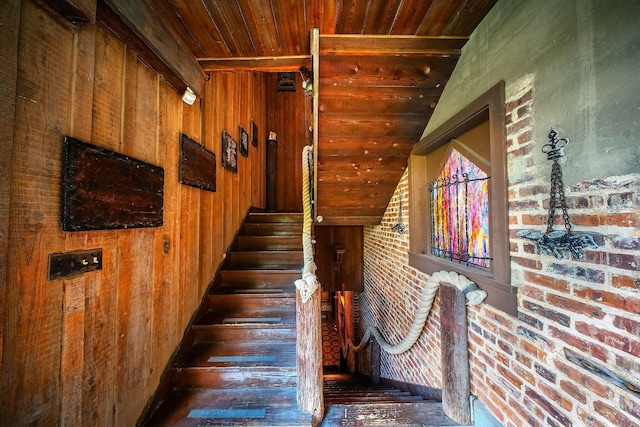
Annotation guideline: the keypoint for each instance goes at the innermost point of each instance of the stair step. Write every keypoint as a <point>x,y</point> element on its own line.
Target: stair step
<point>286,290</point>
<point>260,277</point>
<point>272,229</point>
<point>241,354</point>
<point>274,406</point>
<point>260,260</point>
<point>243,332</point>
<point>278,217</point>
<point>272,243</point>
<point>235,377</point>
<point>425,413</point>
<point>278,304</point>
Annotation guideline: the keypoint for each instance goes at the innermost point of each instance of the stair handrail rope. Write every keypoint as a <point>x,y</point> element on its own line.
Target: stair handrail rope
<point>308,285</point>
<point>473,294</point>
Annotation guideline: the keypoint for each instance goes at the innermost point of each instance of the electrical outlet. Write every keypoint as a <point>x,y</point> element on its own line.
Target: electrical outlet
<point>65,265</point>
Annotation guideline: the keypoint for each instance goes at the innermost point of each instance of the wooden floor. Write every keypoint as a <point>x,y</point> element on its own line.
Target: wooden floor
<point>237,364</point>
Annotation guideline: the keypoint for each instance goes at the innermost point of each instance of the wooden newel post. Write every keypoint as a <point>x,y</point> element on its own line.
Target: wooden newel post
<point>309,356</point>
<point>454,352</point>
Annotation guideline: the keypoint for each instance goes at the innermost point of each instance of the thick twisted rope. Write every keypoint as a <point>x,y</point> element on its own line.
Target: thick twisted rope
<point>309,283</point>
<point>473,294</point>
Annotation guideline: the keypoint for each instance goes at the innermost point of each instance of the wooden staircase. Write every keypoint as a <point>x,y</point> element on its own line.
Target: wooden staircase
<point>353,401</point>
<point>237,364</point>
<point>238,367</point>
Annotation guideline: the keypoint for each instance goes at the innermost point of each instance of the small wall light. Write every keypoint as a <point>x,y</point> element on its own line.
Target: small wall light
<point>189,96</point>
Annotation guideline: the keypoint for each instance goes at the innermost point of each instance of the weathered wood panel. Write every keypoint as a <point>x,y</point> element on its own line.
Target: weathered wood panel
<point>197,164</point>
<point>10,18</point>
<point>91,350</point>
<point>33,334</point>
<point>289,116</point>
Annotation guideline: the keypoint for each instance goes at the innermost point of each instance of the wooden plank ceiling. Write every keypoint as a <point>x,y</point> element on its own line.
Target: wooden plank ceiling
<point>382,67</point>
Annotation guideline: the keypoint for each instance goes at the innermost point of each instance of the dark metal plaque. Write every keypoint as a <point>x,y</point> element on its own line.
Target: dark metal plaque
<point>197,165</point>
<point>102,189</point>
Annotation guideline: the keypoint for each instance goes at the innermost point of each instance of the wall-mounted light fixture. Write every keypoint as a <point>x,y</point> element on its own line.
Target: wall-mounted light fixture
<point>189,96</point>
<point>307,80</point>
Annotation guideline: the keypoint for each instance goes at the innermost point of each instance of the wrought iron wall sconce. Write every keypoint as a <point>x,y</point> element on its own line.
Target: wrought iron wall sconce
<point>399,227</point>
<point>552,240</point>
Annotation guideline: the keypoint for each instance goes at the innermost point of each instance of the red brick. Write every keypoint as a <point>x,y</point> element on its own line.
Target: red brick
<point>531,292</point>
<point>622,281</point>
<point>512,105</point>
<point>593,349</point>
<point>624,261</point>
<point>629,325</point>
<point>556,397</point>
<point>630,406</point>
<point>533,190</point>
<point>613,415</point>
<point>546,281</point>
<point>548,407</point>
<point>607,337</point>
<point>534,264</point>
<point>525,137</point>
<point>523,359</point>
<point>509,376</point>
<point>573,390</point>
<point>611,299</point>
<point>595,384</point>
<point>534,219</point>
<point>589,419</point>
<point>575,306</point>
<point>525,375</point>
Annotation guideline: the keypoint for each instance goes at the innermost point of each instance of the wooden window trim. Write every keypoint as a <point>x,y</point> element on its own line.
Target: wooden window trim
<point>496,282</point>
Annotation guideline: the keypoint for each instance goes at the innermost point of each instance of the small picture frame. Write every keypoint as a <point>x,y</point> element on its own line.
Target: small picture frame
<point>244,142</point>
<point>254,133</point>
<point>229,152</point>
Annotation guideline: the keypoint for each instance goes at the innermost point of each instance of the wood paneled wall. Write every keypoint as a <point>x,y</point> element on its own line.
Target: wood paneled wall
<point>91,350</point>
<point>289,115</point>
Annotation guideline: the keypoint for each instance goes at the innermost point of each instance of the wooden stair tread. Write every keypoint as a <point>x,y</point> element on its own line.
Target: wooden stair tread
<point>278,217</point>
<point>250,331</point>
<point>260,276</point>
<point>234,376</point>
<point>260,406</point>
<point>240,354</point>
<point>425,413</point>
<point>273,243</point>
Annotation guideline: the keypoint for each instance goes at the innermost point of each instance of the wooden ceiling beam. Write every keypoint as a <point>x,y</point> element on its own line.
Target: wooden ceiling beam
<point>160,40</point>
<point>268,64</point>
<point>395,45</point>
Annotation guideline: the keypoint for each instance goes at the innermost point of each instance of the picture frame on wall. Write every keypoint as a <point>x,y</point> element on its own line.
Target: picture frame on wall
<point>244,142</point>
<point>254,133</point>
<point>229,152</point>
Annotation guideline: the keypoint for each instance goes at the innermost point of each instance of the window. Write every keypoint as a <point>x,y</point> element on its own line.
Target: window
<point>458,199</point>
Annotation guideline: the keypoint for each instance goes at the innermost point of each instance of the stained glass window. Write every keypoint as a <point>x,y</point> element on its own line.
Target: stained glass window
<point>460,212</point>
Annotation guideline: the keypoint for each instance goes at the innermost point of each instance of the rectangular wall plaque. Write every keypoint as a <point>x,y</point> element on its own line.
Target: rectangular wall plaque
<point>229,152</point>
<point>197,165</point>
<point>102,189</point>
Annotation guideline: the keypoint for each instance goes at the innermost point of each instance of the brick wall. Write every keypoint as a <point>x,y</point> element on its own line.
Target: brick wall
<point>590,307</point>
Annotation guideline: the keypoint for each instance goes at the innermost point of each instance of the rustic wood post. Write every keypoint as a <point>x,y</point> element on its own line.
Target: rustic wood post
<point>309,356</point>
<point>455,357</point>
<point>272,161</point>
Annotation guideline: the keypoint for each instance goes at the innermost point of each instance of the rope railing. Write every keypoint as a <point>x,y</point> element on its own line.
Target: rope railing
<point>474,296</point>
<point>308,284</point>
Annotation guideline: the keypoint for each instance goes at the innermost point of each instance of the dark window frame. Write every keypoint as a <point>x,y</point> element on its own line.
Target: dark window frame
<point>496,282</point>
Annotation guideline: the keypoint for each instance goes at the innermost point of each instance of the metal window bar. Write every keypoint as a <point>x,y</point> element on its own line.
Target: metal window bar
<point>443,192</point>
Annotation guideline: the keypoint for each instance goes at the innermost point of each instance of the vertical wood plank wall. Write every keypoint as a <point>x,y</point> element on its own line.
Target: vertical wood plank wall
<point>91,350</point>
<point>289,115</point>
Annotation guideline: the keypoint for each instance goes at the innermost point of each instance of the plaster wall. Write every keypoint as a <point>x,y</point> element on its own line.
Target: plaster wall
<point>582,57</point>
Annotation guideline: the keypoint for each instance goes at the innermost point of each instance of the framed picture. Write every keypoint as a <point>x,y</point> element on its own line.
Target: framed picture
<point>254,133</point>
<point>197,165</point>
<point>229,152</point>
<point>244,142</point>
